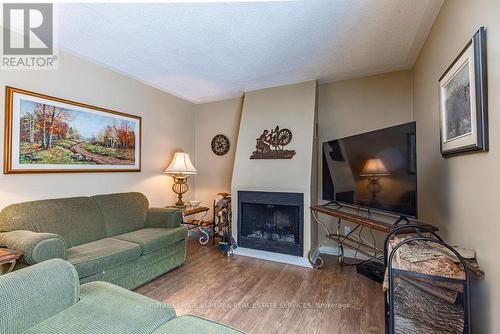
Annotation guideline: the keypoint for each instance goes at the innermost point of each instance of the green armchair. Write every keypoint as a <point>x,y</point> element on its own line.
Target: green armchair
<point>36,293</point>
<point>48,298</point>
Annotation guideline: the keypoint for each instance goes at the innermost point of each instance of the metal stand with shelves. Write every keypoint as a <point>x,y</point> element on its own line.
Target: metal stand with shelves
<point>354,239</point>
<point>222,223</point>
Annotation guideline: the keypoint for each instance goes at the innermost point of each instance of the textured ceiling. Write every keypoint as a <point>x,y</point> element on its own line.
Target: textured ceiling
<point>211,51</point>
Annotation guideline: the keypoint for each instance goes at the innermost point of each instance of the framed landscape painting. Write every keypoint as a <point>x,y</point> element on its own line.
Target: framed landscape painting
<point>464,101</point>
<point>44,134</point>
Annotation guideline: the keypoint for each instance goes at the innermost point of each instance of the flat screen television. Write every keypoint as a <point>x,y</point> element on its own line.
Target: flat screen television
<point>376,170</point>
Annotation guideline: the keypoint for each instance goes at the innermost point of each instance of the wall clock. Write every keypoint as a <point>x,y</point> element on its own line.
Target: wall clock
<point>220,144</point>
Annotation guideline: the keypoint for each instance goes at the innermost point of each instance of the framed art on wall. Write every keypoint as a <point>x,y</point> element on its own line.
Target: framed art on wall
<point>45,134</point>
<point>464,101</point>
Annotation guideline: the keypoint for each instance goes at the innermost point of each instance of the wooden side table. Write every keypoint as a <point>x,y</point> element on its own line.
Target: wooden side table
<point>199,224</point>
<point>9,256</point>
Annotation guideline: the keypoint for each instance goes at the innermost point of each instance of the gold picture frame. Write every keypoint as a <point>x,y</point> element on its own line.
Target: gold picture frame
<point>46,134</point>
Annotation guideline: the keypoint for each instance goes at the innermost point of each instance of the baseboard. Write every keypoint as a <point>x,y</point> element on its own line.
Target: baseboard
<point>275,257</point>
<point>296,260</point>
<point>348,253</point>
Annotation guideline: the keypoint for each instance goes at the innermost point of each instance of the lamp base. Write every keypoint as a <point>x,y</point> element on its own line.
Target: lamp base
<point>180,205</point>
<point>373,187</point>
<point>180,187</point>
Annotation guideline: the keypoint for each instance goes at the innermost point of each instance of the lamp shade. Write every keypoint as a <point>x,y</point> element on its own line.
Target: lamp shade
<point>374,167</point>
<point>181,164</point>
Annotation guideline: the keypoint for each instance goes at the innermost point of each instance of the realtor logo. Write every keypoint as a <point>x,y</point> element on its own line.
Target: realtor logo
<point>28,36</point>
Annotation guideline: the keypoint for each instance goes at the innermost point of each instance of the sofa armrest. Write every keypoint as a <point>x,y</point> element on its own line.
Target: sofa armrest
<point>34,294</point>
<point>37,247</point>
<point>164,217</point>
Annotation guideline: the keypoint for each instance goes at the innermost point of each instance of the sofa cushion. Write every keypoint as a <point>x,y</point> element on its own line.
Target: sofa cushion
<point>100,255</point>
<point>152,239</point>
<point>188,324</point>
<point>78,219</point>
<point>132,274</point>
<point>106,308</point>
<point>122,213</point>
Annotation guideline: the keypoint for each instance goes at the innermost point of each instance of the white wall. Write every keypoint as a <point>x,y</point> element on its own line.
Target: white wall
<point>214,172</point>
<point>291,107</point>
<point>168,126</point>
<point>461,194</point>
<point>360,105</point>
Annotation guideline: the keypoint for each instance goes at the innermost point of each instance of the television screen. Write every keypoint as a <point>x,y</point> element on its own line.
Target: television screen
<point>376,170</point>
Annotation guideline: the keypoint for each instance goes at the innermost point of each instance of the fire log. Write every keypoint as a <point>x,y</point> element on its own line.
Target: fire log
<point>417,311</point>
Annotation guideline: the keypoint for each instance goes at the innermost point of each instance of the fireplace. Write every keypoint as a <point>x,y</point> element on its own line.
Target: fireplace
<point>271,221</point>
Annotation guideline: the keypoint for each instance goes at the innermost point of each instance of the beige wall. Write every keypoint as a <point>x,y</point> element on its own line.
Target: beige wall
<point>292,107</point>
<point>214,172</point>
<point>461,194</point>
<point>168,126</point>
<point>344,108</point>
<point>355,106</point>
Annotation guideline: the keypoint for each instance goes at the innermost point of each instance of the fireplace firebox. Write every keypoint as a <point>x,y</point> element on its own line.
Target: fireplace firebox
<point>271,221</point>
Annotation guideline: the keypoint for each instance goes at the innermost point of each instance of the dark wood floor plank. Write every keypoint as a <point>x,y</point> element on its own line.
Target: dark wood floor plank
<point>259,296</point>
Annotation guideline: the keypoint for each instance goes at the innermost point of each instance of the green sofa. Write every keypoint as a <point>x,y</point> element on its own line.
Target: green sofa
<point>115,238</point>
<point>47,298</point>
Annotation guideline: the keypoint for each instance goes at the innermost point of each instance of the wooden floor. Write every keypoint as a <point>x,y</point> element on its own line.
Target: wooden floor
<point>259,296</point>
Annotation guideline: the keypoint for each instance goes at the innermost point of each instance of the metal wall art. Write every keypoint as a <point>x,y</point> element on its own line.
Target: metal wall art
<point>270,145</point>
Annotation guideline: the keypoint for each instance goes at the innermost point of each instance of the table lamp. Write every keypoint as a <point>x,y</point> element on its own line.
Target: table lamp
<point>374,169</point>
<point>180,168</point>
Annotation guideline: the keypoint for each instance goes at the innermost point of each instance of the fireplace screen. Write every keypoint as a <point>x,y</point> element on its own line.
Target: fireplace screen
<point>270,222</point>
